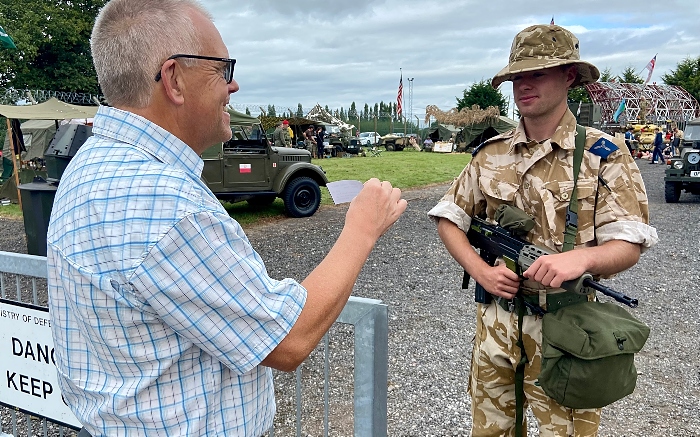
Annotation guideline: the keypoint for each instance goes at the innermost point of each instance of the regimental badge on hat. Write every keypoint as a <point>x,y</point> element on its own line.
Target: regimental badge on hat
<point>545,46</point>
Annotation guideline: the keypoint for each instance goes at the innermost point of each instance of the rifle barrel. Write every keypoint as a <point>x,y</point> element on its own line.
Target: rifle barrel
<point>629,301</point>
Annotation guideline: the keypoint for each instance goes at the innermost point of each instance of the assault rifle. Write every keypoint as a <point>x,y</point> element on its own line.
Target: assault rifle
<point>494,241</point>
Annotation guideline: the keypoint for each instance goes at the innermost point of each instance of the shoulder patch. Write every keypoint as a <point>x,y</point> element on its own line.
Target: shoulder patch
<point>603,148</point>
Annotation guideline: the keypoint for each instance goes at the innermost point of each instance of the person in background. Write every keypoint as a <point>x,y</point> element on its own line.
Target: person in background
<point>531,168</point>
<point>658,148</point>
<point>677,141</point>
<point>320,137</point>
<point>279,136</point>
<point>164,319</point>
<point>310,141</point>
<point>629,139</point>
<point>289,139</point>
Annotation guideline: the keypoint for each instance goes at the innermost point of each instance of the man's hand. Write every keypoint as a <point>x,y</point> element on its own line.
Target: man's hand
<point>553,270</point>
<point>499,280</point>
<point>607,259</point>
<point>375,208</point>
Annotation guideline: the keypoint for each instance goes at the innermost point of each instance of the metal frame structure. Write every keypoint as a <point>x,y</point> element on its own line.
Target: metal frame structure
<point>369,317</point>
<point>664,102</point>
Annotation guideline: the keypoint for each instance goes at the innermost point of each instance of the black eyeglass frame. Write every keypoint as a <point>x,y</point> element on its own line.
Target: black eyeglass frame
<point>228,73</point>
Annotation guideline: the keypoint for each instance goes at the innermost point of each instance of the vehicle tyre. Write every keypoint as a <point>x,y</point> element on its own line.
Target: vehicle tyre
<point>301,197</point>
<point>672,192</point>
<point>261,201</point>
<point>389,147</point>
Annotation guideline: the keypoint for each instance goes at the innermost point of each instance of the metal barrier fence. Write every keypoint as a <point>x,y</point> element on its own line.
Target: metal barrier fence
<point>23,280</point>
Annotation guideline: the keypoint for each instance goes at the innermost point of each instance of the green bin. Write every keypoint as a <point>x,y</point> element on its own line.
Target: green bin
<point>37,201</point>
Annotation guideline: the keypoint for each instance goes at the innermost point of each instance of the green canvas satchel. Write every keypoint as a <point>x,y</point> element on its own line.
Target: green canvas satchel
<point>588,354</point>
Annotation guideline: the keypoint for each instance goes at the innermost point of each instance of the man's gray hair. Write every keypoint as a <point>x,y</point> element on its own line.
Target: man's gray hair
<point>132,38</point>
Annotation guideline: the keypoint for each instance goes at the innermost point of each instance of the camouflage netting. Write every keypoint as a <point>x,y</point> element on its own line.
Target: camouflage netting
<point>465,117</point>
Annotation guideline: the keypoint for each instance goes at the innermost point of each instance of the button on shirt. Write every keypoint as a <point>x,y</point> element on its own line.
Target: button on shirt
<point>161,311</point>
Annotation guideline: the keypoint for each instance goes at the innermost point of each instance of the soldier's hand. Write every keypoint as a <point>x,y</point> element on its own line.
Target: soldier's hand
<point>500,281</point>
<point>553,270</point>
<point>376,208</point>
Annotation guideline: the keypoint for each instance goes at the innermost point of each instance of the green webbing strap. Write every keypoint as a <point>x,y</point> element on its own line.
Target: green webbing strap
<point>572,210</point>
<point>520,371</point>
<point>569,242</point>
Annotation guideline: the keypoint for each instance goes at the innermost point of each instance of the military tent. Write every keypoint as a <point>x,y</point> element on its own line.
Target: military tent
<point>440,132</point>
<point>37,135</point>
<point>472,135</point>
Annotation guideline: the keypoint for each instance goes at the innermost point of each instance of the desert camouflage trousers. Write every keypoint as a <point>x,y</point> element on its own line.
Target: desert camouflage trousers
<point>492,380</point>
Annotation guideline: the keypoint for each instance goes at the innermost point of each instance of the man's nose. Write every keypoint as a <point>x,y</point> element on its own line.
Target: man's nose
<point>233,87</point>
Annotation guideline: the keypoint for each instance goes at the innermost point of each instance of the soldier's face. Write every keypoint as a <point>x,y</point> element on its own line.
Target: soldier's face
<point>541,93</point>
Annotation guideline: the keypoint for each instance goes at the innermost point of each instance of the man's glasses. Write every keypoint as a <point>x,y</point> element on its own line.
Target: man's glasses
<point>227,73</point>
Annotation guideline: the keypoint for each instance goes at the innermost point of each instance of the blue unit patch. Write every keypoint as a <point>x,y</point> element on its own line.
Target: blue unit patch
<point>603,148</point>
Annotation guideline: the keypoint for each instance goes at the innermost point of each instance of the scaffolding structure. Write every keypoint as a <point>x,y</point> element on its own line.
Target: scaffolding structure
<point>643,103</point>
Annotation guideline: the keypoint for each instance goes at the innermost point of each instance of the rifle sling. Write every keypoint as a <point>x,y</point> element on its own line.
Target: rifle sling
<point>569,242</point>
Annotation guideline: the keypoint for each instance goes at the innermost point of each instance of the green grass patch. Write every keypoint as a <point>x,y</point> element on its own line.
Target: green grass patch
<point>405,169</point>
<point>11,211</point>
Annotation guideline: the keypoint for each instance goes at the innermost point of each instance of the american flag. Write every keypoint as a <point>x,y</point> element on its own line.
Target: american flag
<point>650,67</point>
<point>399,98</point>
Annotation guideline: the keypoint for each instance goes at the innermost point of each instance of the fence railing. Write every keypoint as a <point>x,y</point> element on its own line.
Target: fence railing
<point>23,281</point>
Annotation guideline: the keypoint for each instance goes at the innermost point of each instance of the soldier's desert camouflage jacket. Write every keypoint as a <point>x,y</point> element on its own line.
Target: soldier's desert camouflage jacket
<point>538,178</point>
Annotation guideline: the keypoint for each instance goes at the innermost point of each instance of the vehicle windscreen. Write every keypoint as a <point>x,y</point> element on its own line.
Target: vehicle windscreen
<point>692,132</point>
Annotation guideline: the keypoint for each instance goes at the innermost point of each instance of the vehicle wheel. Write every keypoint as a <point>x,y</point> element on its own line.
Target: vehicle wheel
<point>389,147</point>
<point>672,190</point>
<point>261,201</point>
<point>302,197</point>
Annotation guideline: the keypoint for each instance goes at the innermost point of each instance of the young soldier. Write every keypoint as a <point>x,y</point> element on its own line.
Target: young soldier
<point>531,167</point>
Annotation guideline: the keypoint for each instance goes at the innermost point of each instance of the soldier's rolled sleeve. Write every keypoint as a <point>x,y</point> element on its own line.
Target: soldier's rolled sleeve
<point>622,211</point>
<point>462,201</point>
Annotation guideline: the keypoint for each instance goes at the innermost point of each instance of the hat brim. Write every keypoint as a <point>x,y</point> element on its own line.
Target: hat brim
<point>587,72</point>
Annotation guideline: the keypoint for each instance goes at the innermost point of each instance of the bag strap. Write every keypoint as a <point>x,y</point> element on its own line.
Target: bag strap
<point>572,210</point>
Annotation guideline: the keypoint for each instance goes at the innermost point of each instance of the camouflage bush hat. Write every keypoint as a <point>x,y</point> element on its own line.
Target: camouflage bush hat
<point>544,46</point>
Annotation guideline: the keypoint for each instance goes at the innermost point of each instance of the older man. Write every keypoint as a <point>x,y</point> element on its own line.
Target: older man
<point>164,318</point>
<point>531,168</point>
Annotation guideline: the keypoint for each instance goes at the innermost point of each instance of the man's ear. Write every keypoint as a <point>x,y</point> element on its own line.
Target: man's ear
<point>571,74</point>
<point>171,81</point>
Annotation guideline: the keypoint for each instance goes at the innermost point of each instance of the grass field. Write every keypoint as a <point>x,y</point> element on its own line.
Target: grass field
<point>406,169</point>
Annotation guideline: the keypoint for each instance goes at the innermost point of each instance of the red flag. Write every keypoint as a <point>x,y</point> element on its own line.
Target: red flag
<point>551,23</point>
<point>399,98</point>
<point>650,66</point>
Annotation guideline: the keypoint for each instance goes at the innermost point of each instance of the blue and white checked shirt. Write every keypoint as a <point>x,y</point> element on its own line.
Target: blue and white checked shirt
<point>161,311</point>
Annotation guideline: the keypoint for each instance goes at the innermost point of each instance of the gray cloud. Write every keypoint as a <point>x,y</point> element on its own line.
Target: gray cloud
<point>334,53</point>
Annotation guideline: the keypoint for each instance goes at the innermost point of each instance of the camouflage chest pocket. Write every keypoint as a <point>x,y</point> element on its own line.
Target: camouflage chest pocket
<point>556,200</point>
<point>497,192</point>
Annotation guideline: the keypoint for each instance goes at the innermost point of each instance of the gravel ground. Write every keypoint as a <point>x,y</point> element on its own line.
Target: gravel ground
<point>431,321</point>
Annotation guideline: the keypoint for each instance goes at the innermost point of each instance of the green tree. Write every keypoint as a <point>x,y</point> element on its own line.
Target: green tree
<point>247,111</point>
<point>271,111</point>
<point>578,94</point>
<point>607,76</point>
<point>300,111</point>
<point>483,95</point>
<point>53,45</point>
<point>630,76</point>
<point>686,75</point>
<point>352,112</point>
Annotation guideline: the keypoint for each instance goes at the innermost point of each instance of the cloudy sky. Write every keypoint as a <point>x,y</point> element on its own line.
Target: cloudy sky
<point>337,52</point>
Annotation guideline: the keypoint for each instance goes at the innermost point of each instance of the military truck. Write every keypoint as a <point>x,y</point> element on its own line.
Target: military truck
<point>683,173</point>
<point>248,167</point>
